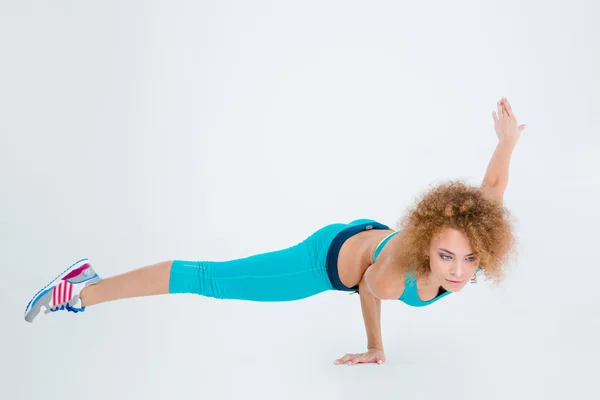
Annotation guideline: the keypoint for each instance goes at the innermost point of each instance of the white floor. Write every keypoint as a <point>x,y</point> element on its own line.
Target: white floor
<point>134,132</point>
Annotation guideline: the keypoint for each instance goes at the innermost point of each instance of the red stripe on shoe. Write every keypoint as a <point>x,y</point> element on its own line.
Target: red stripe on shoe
<point>62,293</point>
<point>56,295</point>
<point>76,272</point>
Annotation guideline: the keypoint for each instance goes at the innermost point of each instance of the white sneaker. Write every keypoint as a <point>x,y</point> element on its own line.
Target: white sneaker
<point>63,292</point>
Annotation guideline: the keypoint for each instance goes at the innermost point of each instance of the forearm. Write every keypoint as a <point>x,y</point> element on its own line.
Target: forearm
<point>498,169</point>
<point>371,310</point>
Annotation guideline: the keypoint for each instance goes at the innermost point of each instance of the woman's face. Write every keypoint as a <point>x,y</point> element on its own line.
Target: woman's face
<point>451,260</point>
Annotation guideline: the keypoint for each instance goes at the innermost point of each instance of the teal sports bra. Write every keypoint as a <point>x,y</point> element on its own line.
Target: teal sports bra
<point>410,295</point>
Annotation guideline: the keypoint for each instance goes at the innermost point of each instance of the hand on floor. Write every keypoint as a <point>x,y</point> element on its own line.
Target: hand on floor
<point>376,356</point>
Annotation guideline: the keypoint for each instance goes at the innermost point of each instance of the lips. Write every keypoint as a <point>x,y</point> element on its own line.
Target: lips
<point>454,282</point>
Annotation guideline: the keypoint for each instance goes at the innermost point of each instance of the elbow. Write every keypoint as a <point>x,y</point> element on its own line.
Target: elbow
<point>494,193</point>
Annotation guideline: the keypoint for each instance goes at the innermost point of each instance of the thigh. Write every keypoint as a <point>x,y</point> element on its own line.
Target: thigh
<point>283,275</point>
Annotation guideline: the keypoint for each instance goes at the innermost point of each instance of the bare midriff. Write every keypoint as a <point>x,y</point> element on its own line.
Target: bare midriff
<point>356,254</point>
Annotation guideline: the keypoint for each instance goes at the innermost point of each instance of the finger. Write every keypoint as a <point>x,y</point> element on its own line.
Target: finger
<point>349,358</point>
<point>500,110</point>
<point>504,110</point>
<point>508,108</point>
<point>495,116</point>
<point>357,360</point>
<point>522,127</point>
<point>343,360</point>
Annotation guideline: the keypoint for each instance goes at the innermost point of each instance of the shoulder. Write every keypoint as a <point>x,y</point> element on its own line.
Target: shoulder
<point>386,278</point>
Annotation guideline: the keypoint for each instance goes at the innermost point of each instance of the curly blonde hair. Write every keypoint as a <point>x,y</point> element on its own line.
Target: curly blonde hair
<point>458,205</point>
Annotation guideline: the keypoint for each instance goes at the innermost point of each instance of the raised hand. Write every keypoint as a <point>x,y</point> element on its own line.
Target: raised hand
<point>505,122</point>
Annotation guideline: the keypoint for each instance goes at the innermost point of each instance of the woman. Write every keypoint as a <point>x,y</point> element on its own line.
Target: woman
<point>454,231</point>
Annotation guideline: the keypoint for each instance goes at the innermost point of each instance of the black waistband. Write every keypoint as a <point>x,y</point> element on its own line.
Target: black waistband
<point>334,250</point>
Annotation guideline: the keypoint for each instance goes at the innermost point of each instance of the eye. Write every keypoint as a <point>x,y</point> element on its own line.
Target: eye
<point>471,259</point>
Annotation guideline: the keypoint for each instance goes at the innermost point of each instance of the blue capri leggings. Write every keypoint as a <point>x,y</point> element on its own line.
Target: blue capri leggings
<point>297,272</point>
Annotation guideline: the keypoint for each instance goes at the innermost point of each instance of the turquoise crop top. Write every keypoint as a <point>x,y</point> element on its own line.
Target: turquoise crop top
<point>410,295</point>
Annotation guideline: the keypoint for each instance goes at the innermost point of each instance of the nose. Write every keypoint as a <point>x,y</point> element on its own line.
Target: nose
<point>457,270</point>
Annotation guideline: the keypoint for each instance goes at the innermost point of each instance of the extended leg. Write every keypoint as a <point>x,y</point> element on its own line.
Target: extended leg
<point>146,281</point>
<point>289,274</point>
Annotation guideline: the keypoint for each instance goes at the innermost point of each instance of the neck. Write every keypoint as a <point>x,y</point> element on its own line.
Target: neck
<point>429,282</point>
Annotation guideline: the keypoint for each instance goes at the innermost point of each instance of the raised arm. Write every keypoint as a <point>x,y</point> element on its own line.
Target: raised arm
<point>496,177</point>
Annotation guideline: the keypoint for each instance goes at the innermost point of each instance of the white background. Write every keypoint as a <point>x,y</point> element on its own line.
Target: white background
<point>134,132</point>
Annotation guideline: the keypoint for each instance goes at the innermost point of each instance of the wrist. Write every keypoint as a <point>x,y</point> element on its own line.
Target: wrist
<point>508,143</point>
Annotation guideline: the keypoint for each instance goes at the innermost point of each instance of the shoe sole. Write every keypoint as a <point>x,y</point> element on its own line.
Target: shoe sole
<point>66,272</point>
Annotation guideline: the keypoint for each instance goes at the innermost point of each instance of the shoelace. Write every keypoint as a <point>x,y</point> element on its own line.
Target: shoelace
<point>68,307</point>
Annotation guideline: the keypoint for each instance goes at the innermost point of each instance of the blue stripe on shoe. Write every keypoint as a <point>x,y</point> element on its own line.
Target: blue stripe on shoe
<point>79,283</point>
<point>39,296</point>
